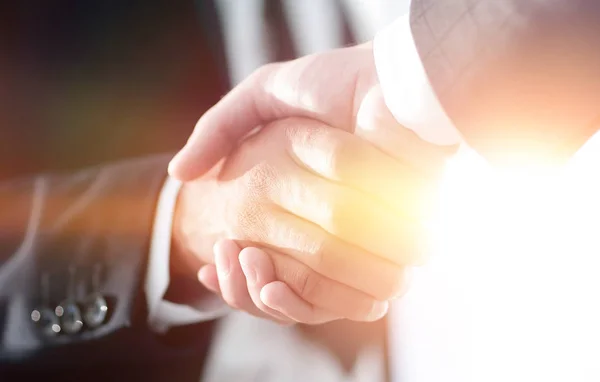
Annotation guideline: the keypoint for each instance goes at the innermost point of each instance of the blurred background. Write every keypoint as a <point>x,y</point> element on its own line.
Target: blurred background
<point>83,82</point>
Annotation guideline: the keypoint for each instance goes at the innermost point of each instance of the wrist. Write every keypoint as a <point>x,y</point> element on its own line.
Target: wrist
<point>196,226</point>
<point>183,261</point>
<point>184,287</point>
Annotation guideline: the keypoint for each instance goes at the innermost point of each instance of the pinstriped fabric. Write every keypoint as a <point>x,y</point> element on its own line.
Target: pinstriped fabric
<point>451,35</point>
<point>514,73</point>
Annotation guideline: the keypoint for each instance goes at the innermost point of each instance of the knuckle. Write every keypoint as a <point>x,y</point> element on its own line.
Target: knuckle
<point>249,221</point>
<point>320,252</point>
<point>336,159</point>
<point>292,237</point>
<point>344,157</point>
<point>308,285</point>
<point>306,132</point>
<point>259,180</point>
<point>337,214</point>
<point>235,301</point>
<point>312,245</point>
<point>327,151</point>
<point>341,212</point>
<point>248,214</point>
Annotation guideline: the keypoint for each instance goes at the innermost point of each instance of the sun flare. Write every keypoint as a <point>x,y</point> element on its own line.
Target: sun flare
<point>516,262</point>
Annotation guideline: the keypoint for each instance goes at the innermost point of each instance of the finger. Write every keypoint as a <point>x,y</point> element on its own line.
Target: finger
<point>220,128</point>
<point>275,91</point>
<point>352,216</point>
<point>280,297</point>
<point>256,101</point>
<point>232,281</point>
<point>376,125</point>
<point>347,159</point>
<point>258,269</point>
<point>324,293</point>
<point>287,307</point>
<point>231,278</point>
<point>207,275</point>
<point>332,257</point>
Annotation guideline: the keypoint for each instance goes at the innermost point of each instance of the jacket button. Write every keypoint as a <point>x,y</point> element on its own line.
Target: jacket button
<point>46,321</point>
<point>95,310</point>
<point>70,317</point>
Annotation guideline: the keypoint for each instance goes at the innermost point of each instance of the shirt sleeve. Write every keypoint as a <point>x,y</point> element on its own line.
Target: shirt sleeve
<point>165,314</point>
<point>406,88</point>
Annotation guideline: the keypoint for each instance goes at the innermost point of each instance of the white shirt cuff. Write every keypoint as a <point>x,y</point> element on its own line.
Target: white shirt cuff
<point>406,88</point>
<point>165,314</point>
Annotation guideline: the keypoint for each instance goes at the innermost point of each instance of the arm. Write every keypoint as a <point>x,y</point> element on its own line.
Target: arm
<point>519,79</point>
<point>513,77</point>
<point>97,217</point>
<point>335,87</point>
<point>174,276</point>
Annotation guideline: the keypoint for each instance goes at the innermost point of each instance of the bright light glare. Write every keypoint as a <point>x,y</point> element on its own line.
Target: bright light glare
<point>513,285</point>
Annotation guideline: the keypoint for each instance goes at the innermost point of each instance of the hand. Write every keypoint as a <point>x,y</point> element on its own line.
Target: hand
<point>339,88</point>
<point>338,217</point>
<point>244,286</point>
<point>251,285</point>
<point>328,87</point>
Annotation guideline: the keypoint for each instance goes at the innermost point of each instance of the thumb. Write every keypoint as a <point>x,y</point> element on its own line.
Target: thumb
<point>249,105</point>
<point>219,129</point>
<point>323,87</point>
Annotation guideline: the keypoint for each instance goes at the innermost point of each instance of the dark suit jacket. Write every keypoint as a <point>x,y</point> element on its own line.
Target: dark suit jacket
<point>98,216</point>
<point>84,83</point>
<point>514,75</point>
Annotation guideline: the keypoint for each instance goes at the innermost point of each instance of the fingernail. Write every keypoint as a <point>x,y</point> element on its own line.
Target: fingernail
<point>223,265</point>
<point>379,310</point>
<point>249,271</point>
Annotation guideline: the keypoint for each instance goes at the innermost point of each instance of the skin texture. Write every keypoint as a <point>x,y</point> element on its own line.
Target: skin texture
<point>323,204</point>
<point>328,87</point>
<point>533,99</point>
<point>311,219</point>
<point>345,180</point>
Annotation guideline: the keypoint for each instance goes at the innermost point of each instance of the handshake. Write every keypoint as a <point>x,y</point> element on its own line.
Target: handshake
<point>303,199</point>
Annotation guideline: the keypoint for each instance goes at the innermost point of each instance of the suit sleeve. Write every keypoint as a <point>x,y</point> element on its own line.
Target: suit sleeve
<point>406,87</point>
<point>99,218</point>
<point>162,313</point>
<point>515,77</point>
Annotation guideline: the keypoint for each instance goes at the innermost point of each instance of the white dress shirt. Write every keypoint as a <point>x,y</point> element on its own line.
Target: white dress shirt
<point>511,294</point>
<point>411,99</point>
<point>249,349</point>
<point>164,314</point>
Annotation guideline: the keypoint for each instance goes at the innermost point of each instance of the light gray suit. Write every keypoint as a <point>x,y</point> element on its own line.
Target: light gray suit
<point>514,74</point>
